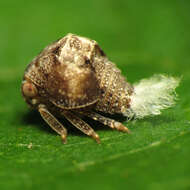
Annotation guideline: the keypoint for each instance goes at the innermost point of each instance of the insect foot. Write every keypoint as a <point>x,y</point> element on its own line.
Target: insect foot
<point>73,77</point>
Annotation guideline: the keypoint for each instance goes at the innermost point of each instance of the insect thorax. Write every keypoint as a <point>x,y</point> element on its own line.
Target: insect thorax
<point>75,73</point>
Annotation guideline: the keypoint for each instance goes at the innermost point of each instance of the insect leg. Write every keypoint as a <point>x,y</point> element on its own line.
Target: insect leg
<point>53,122</point>
<point>106,121</point>
<point>81,125</point>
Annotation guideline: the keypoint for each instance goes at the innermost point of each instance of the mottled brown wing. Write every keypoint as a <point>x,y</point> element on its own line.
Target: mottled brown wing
<point>70,86</point>
<point>67,86</point>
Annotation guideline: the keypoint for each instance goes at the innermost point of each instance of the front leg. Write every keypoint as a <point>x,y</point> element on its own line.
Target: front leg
<point>81,125</point>
<point>53,122</point>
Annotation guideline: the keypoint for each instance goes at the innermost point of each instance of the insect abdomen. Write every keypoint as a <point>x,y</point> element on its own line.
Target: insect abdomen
<point>115,91</point>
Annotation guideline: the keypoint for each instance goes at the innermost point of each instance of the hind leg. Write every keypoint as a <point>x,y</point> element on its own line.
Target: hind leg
<point>106,121</point>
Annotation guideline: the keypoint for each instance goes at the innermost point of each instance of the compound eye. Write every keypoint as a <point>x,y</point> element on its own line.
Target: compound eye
<point>29,90</point>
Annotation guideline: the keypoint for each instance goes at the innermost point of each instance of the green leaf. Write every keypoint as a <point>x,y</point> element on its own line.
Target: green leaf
<point>142,38</point>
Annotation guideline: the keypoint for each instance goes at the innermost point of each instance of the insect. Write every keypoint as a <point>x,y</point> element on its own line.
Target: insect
<point>73,77</point>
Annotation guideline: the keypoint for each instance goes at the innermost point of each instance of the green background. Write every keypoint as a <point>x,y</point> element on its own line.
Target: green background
<point>142,37</point>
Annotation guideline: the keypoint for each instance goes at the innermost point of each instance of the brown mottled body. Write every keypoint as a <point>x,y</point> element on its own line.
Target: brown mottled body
<point>71,76</point>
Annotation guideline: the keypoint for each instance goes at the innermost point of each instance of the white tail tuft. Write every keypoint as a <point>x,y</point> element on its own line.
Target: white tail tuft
<point>153,94</point>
